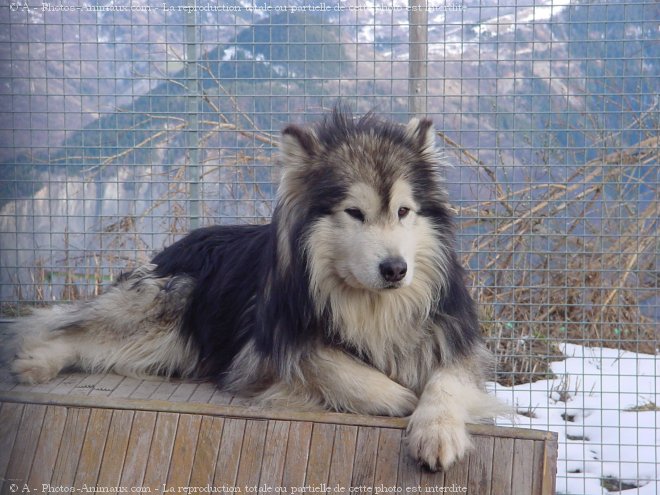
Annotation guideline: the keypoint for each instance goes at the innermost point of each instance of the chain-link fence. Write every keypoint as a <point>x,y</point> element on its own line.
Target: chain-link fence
<point>125,124</point>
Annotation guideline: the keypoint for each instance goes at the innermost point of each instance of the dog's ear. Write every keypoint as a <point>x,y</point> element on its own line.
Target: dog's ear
<point>297,145</point>
<point>422,132</point>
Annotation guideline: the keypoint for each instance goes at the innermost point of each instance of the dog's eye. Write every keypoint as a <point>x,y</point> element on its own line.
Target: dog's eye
<point>355,213</point>
<point>403,212</point>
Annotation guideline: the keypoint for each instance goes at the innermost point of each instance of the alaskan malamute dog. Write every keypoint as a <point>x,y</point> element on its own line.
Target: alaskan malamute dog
<point>352,299</point>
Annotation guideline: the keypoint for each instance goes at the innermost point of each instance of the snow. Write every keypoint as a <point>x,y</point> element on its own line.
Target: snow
<point>545,12</point>
<point>596,404</point>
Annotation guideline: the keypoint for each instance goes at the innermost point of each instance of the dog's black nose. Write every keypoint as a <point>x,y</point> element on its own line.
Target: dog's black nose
<point>393,269</point>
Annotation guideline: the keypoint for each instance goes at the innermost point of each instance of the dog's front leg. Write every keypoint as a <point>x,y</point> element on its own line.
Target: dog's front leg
<point>437,434</point>
<point>347,384</point>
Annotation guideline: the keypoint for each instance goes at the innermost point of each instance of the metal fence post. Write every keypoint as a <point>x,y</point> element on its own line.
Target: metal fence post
<point>192,109</point>
<point>417,56</point>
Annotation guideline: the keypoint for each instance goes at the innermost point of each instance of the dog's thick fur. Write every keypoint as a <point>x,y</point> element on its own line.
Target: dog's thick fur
<point>352,299</point>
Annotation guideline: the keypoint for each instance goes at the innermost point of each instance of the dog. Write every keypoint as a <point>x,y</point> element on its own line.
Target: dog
<point>352,299</point>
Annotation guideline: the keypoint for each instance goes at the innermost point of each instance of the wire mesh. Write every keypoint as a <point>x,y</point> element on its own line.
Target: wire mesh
<point>125,124</point>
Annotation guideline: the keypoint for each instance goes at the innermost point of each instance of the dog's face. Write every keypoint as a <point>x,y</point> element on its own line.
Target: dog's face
<point>352,194</point>
<point>374,238</point>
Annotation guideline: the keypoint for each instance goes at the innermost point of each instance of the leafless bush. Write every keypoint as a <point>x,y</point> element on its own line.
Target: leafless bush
<point>566,261</point>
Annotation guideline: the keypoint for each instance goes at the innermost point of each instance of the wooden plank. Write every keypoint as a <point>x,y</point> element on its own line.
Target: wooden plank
<point>167,447</point>
<point>229,456</point>
<point>7,383</point>
<point>343,456</point>
<point>320,454</point>
<point>502,465</point>
<point>183,391</point>
<point>220,398</point>
<point>39,387</point>
<point>203,393</point>
<point>297,455</point>
<point>185,444</point>
<point>24,387</point>
<point>146,389</point>
<point>160,453</point>
<point>366,448</point>
<point>456,477</point>
<point>73,437</point>
<point>537,467</point>
<point>87,385</point>
<point>106,385</point>
<point>25,444</point>
<point>550,448</point>
<point>272,466</point>
<point>206,454</point>
<point>68,384</point>
<point>164,390</point>
<point>116,447</point>
<point>254,413</point>
<point>93,447</point>
<point>243,402</point>
<point>126,387</point>
<point>252,452</point>
<point>48,447</point>
<point>481,465</point>
<point>523,460</point>
<point>387,461</point>
<point>409,472</point>
<point>10,419</point>
<point>137,452</point>
<point>432,482</point>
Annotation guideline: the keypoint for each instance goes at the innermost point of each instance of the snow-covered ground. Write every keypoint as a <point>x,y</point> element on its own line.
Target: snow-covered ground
<point>603,403</point>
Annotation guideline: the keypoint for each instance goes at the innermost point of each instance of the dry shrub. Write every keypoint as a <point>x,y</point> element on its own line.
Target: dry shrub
<point>567,261</point>
<point>519,359</point>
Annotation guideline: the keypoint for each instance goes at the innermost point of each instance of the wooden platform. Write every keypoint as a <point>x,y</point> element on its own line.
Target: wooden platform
<point>110,434</point>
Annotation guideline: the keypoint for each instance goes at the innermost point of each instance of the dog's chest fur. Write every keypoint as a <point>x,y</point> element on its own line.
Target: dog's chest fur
<point>406,351</point>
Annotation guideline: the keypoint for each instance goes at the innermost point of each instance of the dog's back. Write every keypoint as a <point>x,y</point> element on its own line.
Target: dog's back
<point>168,317</point>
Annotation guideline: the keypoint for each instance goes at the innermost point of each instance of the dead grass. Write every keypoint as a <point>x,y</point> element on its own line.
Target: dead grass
<point>612,484</point>
<point>648,406</point>
<point>519,359</point>
<point>568,261</point>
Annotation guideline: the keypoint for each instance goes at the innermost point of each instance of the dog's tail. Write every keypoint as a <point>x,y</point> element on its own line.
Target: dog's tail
<point>133,329</point>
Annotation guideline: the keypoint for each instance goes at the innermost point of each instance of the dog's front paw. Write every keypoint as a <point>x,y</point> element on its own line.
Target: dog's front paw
<point>30,369</point>
<point>39,361</point>
<point>436,441</point>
